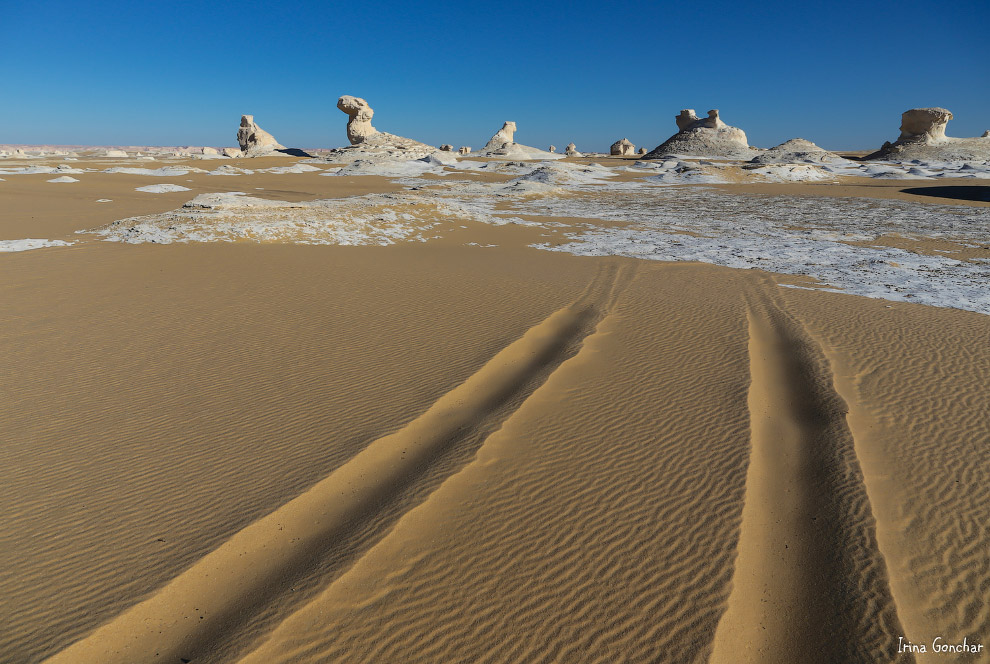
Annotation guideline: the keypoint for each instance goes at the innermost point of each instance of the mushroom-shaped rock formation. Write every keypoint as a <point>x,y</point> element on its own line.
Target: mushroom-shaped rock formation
<point>369,143</point>
<point>359,114</point>
<point>797,151</point>
<point>704,137</point>
<point>923,137</point>
<point>571,150</point>
<point>446,147</point>
<point>464,149</point>
<point>552,149</point>
<point>254,140</point>
<point>623,147</point>
<point>924,124</point>
<point>502,145</point>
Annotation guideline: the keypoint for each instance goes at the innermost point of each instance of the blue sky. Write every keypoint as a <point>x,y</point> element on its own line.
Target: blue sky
<point>182,73</point>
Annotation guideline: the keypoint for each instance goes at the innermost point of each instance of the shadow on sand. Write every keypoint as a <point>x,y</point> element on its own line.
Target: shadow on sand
<point>294,152</point>
<point>963,193</point>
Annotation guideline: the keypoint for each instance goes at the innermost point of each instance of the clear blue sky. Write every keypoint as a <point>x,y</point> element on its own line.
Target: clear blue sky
<point>182,73</point>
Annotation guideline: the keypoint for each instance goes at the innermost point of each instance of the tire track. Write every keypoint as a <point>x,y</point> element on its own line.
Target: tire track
<point>224,590</point>
<point>810,583</point>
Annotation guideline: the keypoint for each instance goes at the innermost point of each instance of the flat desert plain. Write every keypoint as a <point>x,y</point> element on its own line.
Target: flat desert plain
<point>491,411</point>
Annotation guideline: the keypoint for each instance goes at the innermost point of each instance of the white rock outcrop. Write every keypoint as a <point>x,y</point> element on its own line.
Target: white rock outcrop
<point>552,149</point>
<point>642,151</point>
<point>368,143</point>
<point>114,153</point>
<point>255,141</point>
<point>923,137</point>
<point>704,137</point>
<point>446,147</point>
<point>502,138</point>
<point>464,149</point>
<point>231,152</point>
<point>571,150</point>
<point>797,151</point>
<point>211,152</point>
<point>359,114</point>
<point>503,146</point>
<point>622,147</point>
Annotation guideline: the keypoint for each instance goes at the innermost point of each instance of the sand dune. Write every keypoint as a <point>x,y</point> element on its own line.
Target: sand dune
<point>474,444</point>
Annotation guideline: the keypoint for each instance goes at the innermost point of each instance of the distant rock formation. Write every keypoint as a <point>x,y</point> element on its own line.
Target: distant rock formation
<point>254,140</point>
<point>502,145</point>
<point>923,137</point>
<point>446,147</point>
<point>115,153</point>
<point>367,142</point>
<point>703,137</point>
<point>464,149</point>
<point>642,151</point>
<point>502,138</point>
<point>552,149</point>
<point>797,151</point>
<point>211,152</point>
<point>622,147</point>
<point>231,152</point>
<point>359,114</point>
<point>571,150</point>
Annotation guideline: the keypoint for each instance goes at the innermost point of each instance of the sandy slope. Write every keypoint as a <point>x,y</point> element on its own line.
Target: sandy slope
<point>445,453</point>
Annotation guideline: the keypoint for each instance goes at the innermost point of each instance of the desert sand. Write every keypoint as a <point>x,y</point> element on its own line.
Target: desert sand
<point>494,411</point>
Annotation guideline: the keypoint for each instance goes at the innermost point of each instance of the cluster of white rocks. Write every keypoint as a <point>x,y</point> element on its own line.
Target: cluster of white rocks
<point>922,140</point>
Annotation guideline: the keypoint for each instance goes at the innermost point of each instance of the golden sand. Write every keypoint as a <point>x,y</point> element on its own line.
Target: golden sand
<point>434,452</point>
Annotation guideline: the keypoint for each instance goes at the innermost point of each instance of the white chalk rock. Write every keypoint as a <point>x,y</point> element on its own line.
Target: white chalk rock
<point>255,141</point>
<point>464,149</point>
<point>231,152</point>
<point>503,146</point>
<point>502,138</point>
<point>211,151</point>
<point>622,147</point>
<point>571,150</point>
<point>797,151</point>
<point>368,143</point>
<point>446,147</point>
<point>704,137</point>
<point>642,151</point>
<point>552,149</point>
<point>115,153</point>
<point>923,137</point>
<point>359,114</point>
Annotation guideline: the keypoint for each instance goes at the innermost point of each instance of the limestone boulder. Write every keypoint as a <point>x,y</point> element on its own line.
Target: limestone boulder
<point>503,146</point>
<point>253,140</point>
<point>923,138</point>
<point>622,147</point>
<point>359,114</point>
<point>797,151</point>
<point>704,137</point>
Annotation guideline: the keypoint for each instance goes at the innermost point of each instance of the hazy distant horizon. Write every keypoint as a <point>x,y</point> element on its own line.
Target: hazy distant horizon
<point>121,74</point>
